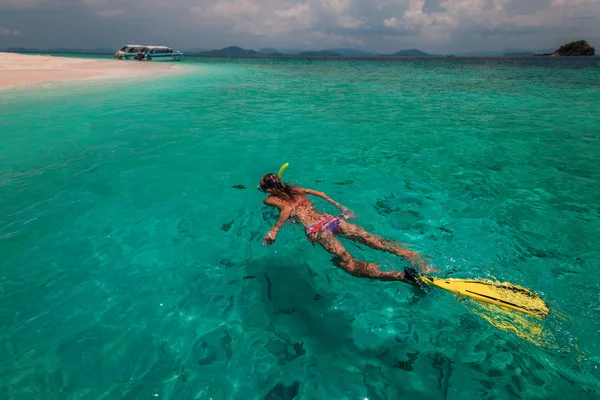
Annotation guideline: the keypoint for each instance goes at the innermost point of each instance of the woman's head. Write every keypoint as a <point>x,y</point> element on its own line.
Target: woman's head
<point>272,184</point>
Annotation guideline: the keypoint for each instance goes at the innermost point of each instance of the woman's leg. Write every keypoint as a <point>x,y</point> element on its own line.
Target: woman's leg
<point>352,265</point>
<point>358,234</point>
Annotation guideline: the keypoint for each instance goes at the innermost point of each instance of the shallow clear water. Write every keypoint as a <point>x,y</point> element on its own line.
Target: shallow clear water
<point>131,268</point>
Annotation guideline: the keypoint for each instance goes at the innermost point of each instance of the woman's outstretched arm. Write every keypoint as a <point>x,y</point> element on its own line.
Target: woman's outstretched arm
<point>284,213</point>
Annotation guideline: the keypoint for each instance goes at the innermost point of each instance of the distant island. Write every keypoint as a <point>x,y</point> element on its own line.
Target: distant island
<point>411,53</point>
<point>270,52</point>
<point>354,53</point>
<point>573,49</point>
<point>323,53</point>
<point>231,51</point>
<point>235,51</point>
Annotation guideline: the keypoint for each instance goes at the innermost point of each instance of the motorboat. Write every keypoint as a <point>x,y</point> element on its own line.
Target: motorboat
<point>158,53</point>
<point>128,52</point>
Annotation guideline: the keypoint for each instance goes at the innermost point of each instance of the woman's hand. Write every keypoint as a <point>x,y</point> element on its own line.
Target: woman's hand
<point>269,238</point>
<point>347,214</point>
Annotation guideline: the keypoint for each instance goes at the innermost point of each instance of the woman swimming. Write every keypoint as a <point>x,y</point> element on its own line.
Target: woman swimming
<point>293,202</point>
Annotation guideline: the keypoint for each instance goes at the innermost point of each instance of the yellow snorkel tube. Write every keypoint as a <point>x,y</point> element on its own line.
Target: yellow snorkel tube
<point>283,167</point>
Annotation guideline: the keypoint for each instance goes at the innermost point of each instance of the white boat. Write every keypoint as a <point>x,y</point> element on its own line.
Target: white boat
<point>158,53</point>
<point>128,52</point>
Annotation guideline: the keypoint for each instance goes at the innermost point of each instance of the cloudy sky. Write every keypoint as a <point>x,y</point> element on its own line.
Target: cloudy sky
<point>436,26</point>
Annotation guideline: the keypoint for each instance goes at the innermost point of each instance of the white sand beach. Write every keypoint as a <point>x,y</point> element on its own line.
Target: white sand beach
<point>22,69</point>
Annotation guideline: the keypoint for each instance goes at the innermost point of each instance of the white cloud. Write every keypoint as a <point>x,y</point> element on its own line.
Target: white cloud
<point>336,6</point>
<point>415,16</point>
<point>299,16</point>
<point>336,39</point>
<point>392,22</point>
<point>455,12</point>
<point>458,16</point>
<point>350,22</point>
<point>227,8</point>
<point>247,16</point>
<point>274,17</point>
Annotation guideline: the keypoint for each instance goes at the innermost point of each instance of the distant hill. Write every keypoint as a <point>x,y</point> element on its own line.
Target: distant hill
<point>411,53</point>
<point>573,49</point>
<point>293,51</point>
<point>235,51</point>
<point>353,53</point>
<point>270,51</point>
<point>323,53</point>
<point>231,51</point>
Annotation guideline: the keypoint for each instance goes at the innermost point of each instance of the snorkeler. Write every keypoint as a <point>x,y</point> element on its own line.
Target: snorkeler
<point>292,201</point>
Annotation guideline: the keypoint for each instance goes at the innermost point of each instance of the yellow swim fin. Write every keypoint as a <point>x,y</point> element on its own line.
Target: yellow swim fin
<point>501,294</point>
<point>523,325</point>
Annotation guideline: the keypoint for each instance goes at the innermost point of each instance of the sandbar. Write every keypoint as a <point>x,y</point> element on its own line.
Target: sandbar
<point>25,69</point>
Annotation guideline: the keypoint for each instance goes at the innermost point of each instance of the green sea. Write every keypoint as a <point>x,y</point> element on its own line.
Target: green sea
<point>131,255</point>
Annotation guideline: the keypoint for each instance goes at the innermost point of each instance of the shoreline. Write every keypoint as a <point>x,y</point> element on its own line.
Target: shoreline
<point>21,70</point>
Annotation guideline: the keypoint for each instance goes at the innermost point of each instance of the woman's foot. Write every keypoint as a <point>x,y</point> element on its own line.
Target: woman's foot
<point>415,258</point>
<point>428,269</point>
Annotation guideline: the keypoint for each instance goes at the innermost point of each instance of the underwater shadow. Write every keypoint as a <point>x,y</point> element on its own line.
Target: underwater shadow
<point>300,303</point>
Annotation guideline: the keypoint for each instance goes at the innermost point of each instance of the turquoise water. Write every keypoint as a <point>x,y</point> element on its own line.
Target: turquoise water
<point>131,268</point>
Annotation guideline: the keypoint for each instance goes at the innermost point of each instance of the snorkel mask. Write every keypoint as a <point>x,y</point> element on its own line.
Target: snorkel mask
<point>273,181</point>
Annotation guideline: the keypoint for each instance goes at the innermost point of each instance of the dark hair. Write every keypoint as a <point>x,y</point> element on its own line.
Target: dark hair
<point>273,183</point>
